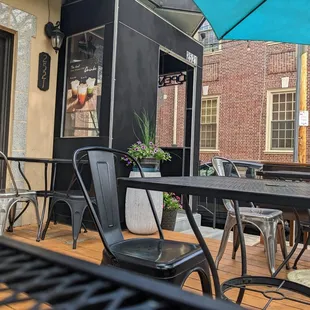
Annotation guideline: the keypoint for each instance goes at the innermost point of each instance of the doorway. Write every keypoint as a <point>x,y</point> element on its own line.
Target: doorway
<point>6,60</point>
<point>174,113</point>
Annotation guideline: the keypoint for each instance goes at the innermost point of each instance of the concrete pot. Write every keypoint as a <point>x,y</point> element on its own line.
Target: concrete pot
<point>169,219</point>
<point>138,213</point>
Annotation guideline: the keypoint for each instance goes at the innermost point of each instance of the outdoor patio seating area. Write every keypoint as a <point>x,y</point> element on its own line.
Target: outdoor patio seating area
<point>59,239</point>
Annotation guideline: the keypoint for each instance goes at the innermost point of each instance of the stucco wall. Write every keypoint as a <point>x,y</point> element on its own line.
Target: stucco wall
<point>32,110</point>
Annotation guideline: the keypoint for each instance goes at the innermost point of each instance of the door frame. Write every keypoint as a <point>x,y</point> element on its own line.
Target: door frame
<point>5,98</point>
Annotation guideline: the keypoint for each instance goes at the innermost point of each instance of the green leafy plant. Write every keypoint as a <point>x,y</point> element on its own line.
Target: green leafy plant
<point>172,202</point>
<point>146,147</point>
<point>147,128</point>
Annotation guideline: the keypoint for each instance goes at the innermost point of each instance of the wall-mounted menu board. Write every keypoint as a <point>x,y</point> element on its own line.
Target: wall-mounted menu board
<point>83,84</point>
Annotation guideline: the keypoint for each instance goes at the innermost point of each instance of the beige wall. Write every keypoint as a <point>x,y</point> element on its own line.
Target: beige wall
<point>41,106</point>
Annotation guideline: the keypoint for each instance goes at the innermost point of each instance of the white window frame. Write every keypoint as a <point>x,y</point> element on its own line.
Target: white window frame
<point>211,150</point>
<point>268,148</point>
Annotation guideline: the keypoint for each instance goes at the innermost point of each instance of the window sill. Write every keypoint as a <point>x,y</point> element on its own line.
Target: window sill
<point>208,151</point>
<point>274,152</point>
<point>212,53</point>
<point>273,43</point>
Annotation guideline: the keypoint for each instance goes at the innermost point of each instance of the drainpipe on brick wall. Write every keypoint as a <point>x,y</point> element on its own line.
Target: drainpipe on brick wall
<point>175,115</point>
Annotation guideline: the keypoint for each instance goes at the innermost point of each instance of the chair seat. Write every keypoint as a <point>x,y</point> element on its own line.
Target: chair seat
<point>156,257</point>
<point>267,214</point>
<point>10,192</point>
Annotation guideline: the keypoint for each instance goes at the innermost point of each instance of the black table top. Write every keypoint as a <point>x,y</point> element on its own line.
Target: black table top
<point>290,194</point>
<point>40,160</point>
<point>67,283</point>
<point>285,174</point>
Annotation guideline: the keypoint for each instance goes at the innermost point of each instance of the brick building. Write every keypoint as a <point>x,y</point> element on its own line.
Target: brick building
<point>247,108</point>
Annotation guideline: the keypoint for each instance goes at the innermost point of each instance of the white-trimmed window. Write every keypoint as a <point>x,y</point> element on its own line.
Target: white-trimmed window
<point>280,120</point>
<point>208,38</point>
<point>209,123</point>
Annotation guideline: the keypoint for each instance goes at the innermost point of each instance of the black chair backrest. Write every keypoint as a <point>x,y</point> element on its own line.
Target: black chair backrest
<point>103,170</point>
<point>102,167</point>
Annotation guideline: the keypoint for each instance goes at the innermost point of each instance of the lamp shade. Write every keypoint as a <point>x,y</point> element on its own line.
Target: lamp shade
<point>57,38</point>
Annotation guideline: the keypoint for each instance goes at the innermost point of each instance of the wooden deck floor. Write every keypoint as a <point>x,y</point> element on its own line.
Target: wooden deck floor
<point>59,239</point>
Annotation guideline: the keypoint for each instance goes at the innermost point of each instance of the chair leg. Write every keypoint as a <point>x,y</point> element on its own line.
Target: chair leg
<point>40,224</point>
<point>77,213</point>
<point>84,227</point>
<point>302,252</point>
<point>269,230</point>
<point>230,223</point>
<point>204,277</point>
<point>281,236</point>
<point>4,212</point>
<point>50,214</point>
<point>236,241</point>
<point>205,282</point>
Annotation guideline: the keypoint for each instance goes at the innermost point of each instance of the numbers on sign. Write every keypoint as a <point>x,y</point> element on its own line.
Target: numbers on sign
<point>191,58</point>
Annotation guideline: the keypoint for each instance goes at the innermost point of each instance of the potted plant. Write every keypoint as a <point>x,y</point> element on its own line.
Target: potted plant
<point>145,149</point>
<point>138,213</point>
<point>172,204</point>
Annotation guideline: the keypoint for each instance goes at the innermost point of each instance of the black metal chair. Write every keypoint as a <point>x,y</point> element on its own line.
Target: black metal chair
<point>305,227</point>
<point>159,258</point>
<point>75,200</point>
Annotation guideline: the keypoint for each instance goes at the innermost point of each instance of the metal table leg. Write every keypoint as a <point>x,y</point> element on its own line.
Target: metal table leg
<point>203,246</point>
<point>243,249</point>
<point>44,203</point>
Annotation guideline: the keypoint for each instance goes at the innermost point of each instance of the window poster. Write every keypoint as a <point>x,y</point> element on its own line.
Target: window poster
<point>83,84</point>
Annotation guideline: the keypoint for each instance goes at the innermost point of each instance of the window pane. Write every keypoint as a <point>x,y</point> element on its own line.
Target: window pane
<point>282,106</point>
<point>282,98</point>
<point>275,107</point>
<point>275,134</point>
<point>274,143</point>
<point>289,134</point>
<point>289,125</point>
<point>289,106</point>
<point>282,116</point>
<point>282,143</point>
<point>275,116</point>
<point>289,97</point>
<point>275,98</point>
<point>289,115</point>
<point>288,143</point>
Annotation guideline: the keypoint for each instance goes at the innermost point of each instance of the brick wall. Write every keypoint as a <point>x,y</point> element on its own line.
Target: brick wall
<point>165,115</point>
<point>241,77</point>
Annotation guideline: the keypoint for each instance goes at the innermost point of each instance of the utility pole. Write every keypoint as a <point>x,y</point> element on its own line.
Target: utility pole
<point>302,147</point>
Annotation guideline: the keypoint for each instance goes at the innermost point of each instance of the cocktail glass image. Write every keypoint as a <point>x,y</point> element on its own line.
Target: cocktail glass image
<point>74,86</point>
<point>90,86</point>
<point>82,93</point>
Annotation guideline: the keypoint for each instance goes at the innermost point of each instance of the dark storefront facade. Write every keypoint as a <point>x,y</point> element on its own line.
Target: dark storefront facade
<point>109,68</point>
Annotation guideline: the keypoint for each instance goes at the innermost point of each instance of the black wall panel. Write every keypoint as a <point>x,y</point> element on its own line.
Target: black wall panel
<point>152,26</point>
<point>136,84</point>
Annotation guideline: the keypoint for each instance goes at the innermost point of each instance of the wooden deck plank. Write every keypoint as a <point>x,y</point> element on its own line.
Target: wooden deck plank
<point>89,248</point>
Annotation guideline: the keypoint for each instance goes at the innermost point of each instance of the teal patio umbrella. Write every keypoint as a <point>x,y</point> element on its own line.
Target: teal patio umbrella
<point>263,20</point>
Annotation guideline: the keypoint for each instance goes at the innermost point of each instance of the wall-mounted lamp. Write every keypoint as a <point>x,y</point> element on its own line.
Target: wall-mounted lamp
<point>55,34</point>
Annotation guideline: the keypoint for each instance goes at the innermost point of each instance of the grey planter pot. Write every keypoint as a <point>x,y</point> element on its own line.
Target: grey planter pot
<point>138,213</point>
<point>169,219</point>
<point>149,165</point>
